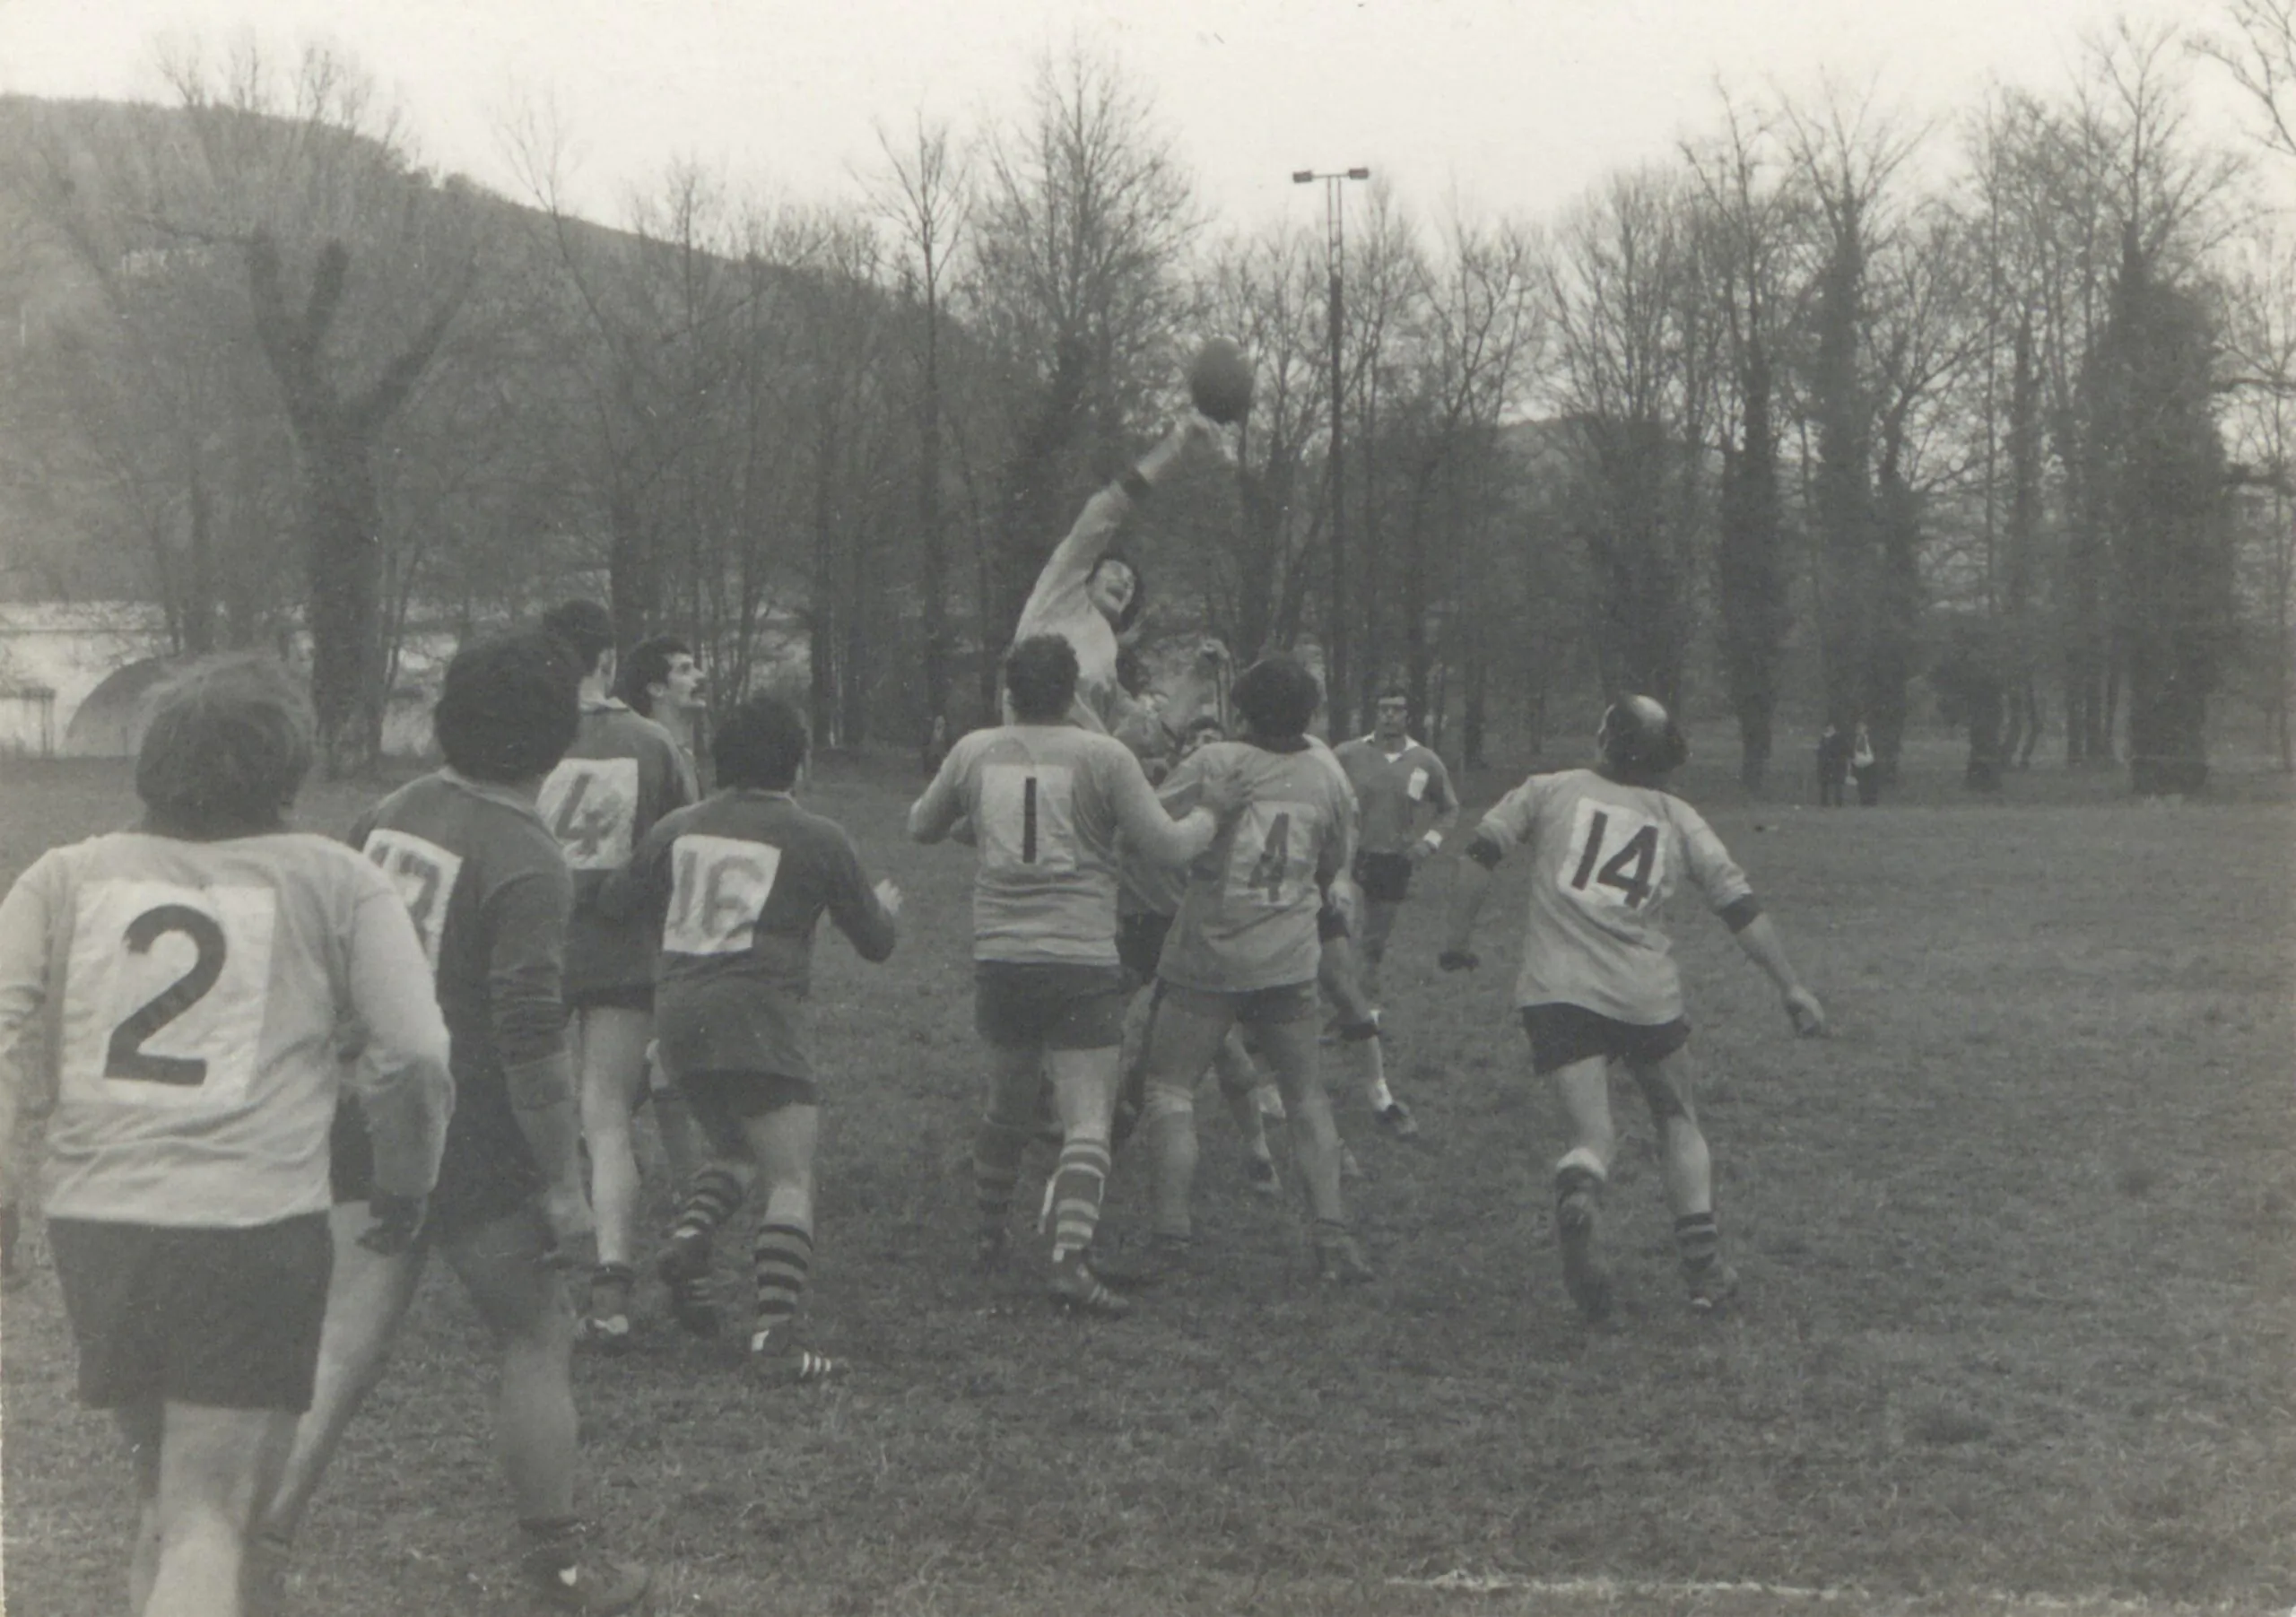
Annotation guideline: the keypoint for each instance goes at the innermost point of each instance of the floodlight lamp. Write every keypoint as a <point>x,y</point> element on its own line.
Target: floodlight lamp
<point>1359,174</point>
<point>1301,177</point>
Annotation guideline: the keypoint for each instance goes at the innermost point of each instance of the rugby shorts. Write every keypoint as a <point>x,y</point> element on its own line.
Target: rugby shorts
<point>1385,878</point>
<point>1250,1007</point>
<point>1140,944</point>
<point>1051,1005</point>
<point>721,1100</point>
<point>1562,1034</point>
<point>223,1318</point>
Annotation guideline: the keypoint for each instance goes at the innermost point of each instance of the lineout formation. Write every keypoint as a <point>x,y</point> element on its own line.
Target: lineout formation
<point>279,1073</point>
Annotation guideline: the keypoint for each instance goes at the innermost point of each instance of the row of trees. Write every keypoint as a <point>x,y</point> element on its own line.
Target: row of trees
<point>1827,402</point>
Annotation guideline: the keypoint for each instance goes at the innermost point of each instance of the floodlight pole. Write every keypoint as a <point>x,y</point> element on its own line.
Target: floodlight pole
<point>1338,691</point>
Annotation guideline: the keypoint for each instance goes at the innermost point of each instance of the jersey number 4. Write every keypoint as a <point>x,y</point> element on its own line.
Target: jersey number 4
<point>1624,875</point>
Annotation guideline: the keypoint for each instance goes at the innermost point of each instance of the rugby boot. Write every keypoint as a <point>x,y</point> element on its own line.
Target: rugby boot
<point>1078,1291</point>
<point>567,1574</point>
<point>684,1267</point>
<point>1583,1274</point>
<point>775,1358</point>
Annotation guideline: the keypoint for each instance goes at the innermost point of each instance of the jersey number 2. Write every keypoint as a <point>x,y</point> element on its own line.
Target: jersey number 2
<point>124,1057</point>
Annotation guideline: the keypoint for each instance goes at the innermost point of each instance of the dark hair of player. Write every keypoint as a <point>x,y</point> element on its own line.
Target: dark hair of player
<point>761,745</point>
<point>225,751</point>
<point>1278,697</point>
<point>584,627</point>
<point>1133,608</point>
<point>508,709</point>
<point>1640,741</point>
<point>1395,693</point>
<point>1040,677</point>
<point>647,666</point>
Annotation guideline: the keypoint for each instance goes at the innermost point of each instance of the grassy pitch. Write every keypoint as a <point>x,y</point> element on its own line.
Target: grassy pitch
<point>2015,1333</point>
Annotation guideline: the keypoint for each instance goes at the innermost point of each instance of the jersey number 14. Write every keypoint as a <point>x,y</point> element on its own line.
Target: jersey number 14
<point>1616,860</point>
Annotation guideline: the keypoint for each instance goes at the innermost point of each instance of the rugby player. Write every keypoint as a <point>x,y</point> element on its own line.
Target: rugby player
<point>190,978</point>
<point>1045,800</point>
<point>733,888</point>
<point>1148,896</point>
<point>622,773</point>
<point>1598,984</point>
<point>1246,948</point>
<point>1093,596</point>
<point>482,876</point>
<point>1398,781</point>
<point>661,680</point>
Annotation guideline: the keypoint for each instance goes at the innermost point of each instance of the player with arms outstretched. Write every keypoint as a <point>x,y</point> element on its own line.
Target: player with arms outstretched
<point>1046,800</point>
<point>734,887</point>
<point>1609,845</point>
<point>1093,596</point>
<point>191,977</point>
<point>481,874</point>
<point>622,773</point>
<point>1246,947</point>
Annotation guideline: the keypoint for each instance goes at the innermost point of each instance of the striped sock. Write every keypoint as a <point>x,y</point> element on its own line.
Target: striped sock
<point>1698,1240</point>
<point>1076,1190</point>
<point>996,1153</point>
<point>782,1261</point>
<point>716,1195</point>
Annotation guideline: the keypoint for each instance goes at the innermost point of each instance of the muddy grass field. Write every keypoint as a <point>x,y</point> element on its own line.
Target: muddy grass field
<point>2018,1327</point>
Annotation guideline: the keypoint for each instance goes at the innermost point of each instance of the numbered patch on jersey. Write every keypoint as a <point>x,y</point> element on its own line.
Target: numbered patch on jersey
<point>423,874</point>
<point>1027,819</point>
<point>591,806</point>
<point>1273,859</point>
<point>1414,786</point>
<point>163,993</point>
<point>1616,858</point>
<point>718,889</point>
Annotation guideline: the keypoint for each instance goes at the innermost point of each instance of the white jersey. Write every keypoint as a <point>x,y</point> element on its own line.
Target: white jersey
<point>193,997</point>
<point>1606,857</point>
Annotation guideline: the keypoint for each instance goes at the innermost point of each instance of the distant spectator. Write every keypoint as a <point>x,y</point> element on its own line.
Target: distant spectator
<point>1864,770</point>
<point>1833,765</point>
<point>937,745</point>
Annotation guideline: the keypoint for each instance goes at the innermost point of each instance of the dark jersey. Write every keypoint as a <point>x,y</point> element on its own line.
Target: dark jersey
<point>733,888</point>
<point>622,773</point>
<point>490,895</point>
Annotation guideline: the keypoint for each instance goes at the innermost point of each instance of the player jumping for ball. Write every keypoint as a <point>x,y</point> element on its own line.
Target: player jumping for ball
<point>1092,598</point>
<point>192,977</point>
<point>1598,982</point>
<point>734,887</point>
<point>1045,800</point>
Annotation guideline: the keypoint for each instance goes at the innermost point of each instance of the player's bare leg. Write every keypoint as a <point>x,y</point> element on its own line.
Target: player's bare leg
<point>1290,1050</point>
<point>367,1297</point>
<point>1667,1085</point>
<point>610,1063</point>
<point>212,1466</point>
<point>1008,1124</point>
<point>1339,974</point>
<point>1378,926</point>
<point>504,1266</point>
<point>1240,1086</point>
<point>1181,1044</point>
<point>1083,1087</point>
<point>683,1147</point>
<point>142,1426</point>
<point>1583,1088</point>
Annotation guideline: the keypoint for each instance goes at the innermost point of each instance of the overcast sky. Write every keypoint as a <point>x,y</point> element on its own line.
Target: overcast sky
<point>1514,106</point>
